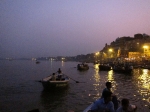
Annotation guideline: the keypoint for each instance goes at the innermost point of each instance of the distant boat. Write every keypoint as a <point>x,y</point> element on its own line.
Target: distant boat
<point>82,66</point>
<point>37,62</point>
<point>104,67</point>
<point>49,83</point>
<point>125,69</point>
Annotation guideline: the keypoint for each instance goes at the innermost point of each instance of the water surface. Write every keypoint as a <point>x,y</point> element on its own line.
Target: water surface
<point>20,90</point>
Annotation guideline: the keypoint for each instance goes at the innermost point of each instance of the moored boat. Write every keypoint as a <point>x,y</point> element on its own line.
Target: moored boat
<point>104,67</point>
<point>83,66</point>
<point>37,62</point>
<point>126,69</point>
<point>48,82</point>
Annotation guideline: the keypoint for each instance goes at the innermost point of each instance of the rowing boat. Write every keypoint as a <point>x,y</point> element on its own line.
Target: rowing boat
<point>49,83</point>
<point>88,108</point>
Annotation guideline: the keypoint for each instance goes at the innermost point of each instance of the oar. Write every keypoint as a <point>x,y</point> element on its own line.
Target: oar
<point>73,79</point>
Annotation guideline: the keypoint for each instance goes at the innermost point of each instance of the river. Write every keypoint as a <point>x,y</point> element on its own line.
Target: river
<point>20,90</point>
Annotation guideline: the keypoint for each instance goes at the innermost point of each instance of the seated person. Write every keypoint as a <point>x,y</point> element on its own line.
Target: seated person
<point>59,74</point>
<point>126,106</point>
<point>104,104</point>
<point>108,87</point>
<point>114,98</point>
<point>53,77</point>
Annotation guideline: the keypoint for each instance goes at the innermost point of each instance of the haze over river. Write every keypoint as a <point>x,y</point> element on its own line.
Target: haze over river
<point>20,90</point>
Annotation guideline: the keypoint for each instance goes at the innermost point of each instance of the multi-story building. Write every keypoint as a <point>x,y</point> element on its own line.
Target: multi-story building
<point>130,47</point>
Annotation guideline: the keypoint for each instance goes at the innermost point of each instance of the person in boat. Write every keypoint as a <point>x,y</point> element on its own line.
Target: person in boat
<point>59,74</point>
<point>126,106</point>
<point>83,63</point>
<point>104,104</point>
<point>114,97</point>
<point>108,87</point>
<point>53,77</point>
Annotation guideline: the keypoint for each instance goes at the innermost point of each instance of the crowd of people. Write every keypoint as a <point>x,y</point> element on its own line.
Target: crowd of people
<point>109,102</point>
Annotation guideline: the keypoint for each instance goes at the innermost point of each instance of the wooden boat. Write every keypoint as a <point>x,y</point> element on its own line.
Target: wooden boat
<point>116,104</point>
<point>49,83</point>
<point>123,69</point>
<point>88,108</point>
<point>104,67</point>
<point>82,67</point>
<point>146,67</point>
<point>126,71</point>
<point>37,62</point>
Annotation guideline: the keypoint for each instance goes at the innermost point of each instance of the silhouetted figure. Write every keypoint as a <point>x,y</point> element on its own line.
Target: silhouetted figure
<point>104,104</point>
<point>126,106</point>
<point>59,74</point>
<point>114,98</point>
<point>53,77</point>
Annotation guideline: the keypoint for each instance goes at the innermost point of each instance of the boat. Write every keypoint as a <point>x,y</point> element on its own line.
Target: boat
<point>83,66</point>
<point>126,69</point>
<point>88,108</point>
<point>49,83</point>
<point>104,67</point>
<point>37,62</point>
<point>146,67</point>
<point>115,101</point>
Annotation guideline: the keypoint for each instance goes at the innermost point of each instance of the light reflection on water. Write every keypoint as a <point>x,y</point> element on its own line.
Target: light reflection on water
<point>135,87</point>
<point>18,84</point>
<point>144,85</point>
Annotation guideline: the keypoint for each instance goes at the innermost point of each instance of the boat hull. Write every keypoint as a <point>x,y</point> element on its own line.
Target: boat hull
<point>88,108</point>
<point>104,68</point>
<point>82,67</point>
<point>51,84</point>
<point>48,83</point>
<point>128,71</point>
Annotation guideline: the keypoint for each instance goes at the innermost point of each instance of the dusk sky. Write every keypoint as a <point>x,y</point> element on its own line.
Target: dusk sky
<point>41,28</point>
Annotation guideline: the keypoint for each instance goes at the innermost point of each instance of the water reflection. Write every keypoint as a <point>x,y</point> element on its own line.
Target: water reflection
<point>135,87</point>
<point>52,99</point>
<point>62,63</point>
<point>144,85</point>
<point>96,66</point>
<point>100,78</point>
<point>96,75</point>
<point>112,80</point>
<point>144,78</point>
<point>16,87</point>
<point>96,83</point>
<point>110,76</point>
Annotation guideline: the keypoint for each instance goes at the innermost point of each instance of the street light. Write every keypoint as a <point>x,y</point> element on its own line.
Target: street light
<point>110,51</point>
<point>97,55</point>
